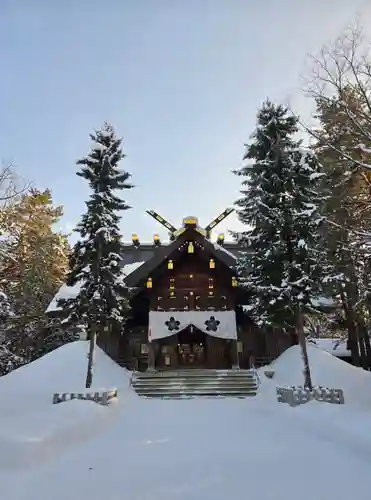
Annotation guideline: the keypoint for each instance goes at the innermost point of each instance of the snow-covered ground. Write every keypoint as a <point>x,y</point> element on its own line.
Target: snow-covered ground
<point>200,449</point>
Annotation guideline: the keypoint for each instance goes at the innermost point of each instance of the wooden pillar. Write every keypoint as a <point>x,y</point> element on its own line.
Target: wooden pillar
<point>151,357</point>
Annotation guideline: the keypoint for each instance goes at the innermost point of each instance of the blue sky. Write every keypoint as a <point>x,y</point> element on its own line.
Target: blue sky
<point>181,82</point>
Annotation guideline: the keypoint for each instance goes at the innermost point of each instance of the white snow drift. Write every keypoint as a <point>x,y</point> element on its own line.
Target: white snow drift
<point>186,449</point>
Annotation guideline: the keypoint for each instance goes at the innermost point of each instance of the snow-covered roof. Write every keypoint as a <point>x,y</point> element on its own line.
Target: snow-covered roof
<point>65,292</point>
<point>130,268</point>
<point>70,292</point>
<point>323,302</point>
<point>221,248</point>
<point>336,347</point>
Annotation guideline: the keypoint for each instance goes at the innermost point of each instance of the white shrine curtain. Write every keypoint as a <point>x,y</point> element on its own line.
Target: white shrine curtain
<point>221,324</point>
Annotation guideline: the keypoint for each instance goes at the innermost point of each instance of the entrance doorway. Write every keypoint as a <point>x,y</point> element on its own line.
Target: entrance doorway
<point>191,348</point>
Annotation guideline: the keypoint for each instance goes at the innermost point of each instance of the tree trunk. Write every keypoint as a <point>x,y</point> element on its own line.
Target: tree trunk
<point>352,333</point>
<point>93,341</point>
<point>362,349</point>
<point>303,346</point>
<point>365,339</point>
<point>95,320</point>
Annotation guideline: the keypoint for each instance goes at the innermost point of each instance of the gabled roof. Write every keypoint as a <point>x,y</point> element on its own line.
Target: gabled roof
<point>138,264</point>
<point>146,269</point>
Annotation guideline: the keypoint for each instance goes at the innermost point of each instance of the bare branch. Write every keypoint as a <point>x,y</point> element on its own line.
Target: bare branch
<point>11,185</point>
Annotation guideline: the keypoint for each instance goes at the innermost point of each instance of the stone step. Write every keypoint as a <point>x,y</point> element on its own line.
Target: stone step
<point>182,389</point>
<point>168,393</point>
<point>193,396</point>
<point>196,373</point>
<point>183,384</point>
<point>195,380</point>
<point>213,390</point>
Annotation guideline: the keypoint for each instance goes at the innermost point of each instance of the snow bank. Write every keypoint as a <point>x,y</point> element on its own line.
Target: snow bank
<point>190,449</point>
<point>326,370</point>
<point>63,370</point>
<point>32,429</point>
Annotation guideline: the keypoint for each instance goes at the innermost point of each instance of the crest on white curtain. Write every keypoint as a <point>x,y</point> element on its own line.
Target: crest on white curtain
<point>212,324</point>
<point>172,324</point>
<point>220,324</point>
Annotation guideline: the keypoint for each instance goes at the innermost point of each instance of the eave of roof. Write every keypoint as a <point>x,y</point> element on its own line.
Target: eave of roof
<point>142,273</point>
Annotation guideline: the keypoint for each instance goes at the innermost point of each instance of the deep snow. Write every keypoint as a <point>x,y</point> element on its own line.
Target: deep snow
<point>326,370</point>
<point>200,449</point>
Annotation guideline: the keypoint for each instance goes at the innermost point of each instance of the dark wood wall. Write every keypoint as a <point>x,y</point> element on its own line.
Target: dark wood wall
<point>192,285</point>
<point>261,345</point>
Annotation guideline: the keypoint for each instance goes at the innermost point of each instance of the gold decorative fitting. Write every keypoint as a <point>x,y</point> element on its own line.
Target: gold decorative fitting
<point>149,283</point>
<point>211,284</point>
<point>212,264</point>
<point>172,294</point>
<point>191,221</point>
<point>170,264</point>
<point>135,240</point>
<point>234,281</point>
<point>191,248</point>
<point>156,240</point>
<point>221,236</point>
<point>171,284</point>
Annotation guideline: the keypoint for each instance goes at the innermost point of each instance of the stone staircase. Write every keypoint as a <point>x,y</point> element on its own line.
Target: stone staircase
<point>195,383</point>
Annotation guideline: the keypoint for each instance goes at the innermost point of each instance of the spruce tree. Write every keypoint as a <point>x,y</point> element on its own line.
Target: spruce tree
<point>8,359</point>
<point>6,310</point>
<point>102,301</point>
<point>282,266</point>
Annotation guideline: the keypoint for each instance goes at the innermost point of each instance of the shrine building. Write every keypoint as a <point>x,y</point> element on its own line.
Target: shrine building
<point>187,309</point>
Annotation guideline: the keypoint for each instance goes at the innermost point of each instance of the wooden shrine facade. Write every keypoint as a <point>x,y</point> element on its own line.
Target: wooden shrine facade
<point>187,310</point>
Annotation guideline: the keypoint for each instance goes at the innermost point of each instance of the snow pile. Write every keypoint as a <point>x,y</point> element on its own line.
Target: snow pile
<point>32,429</point>
<point>189,449</point>
<point>63,370</point>
<point>326,370</point>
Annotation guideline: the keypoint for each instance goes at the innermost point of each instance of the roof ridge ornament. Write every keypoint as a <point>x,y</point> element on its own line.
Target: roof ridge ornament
<point>190,221</point>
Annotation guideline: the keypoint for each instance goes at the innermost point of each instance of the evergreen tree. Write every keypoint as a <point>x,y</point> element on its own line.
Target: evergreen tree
<point>282,266</point>
<point>37,256</point>
<point>8,359</point>
<point>33,267</point>
<point>5,308</point>
<point>348,210</point>
<point>102,301</point>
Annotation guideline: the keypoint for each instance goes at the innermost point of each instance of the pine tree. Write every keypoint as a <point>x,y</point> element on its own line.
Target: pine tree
<point>102,301</point>
<point>37,262</point>
<point>282,265</point>
<point>348,210</point>
<point>33,270</point>
<point>5,308</point>
<point>8,359</point>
